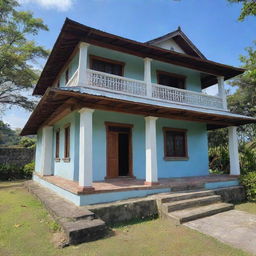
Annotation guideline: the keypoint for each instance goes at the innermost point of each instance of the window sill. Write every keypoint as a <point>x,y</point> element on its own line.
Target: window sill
<point>57,159</point>
<point>167,158</point>
<point>66,160</point>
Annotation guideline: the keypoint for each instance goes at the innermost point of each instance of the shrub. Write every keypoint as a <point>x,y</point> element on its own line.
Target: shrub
<point>247,159</point>
<point>10,172</point>
<point>219,160</point>
<point>249,182</point>
<point>28,170</point>
<point>14,172</point>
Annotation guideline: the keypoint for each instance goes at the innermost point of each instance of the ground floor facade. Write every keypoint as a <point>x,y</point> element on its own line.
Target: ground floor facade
<point>96,156</point>
<point>119,147</point>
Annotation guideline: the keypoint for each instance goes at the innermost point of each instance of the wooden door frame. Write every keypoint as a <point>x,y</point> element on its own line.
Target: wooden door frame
<point>130,126</point>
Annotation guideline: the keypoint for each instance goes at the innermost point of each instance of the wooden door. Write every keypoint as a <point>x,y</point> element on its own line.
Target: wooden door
<point>112,155</point>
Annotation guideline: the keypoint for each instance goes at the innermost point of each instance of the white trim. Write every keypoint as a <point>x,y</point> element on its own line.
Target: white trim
<point>82,65</point>
<point>221,91</point>
<point>47,151</point>
<point>85,148</point>
<point>233,151</point>
<point>151,152</point>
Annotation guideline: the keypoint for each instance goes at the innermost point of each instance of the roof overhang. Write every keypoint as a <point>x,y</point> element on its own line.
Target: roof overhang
<point>56,103</point>
<point>73,32</point>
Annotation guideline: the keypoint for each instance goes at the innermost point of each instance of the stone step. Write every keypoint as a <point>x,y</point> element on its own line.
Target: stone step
<point>188,187</point>
<point>84,230</point>
<point>57,206</point>
<point>183,204</point>
<point>185,195</point>
<point>199,212</point>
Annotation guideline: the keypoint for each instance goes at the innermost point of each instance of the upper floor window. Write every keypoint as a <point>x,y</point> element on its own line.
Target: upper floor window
<point>170,79</point>
<point>107,65</point>
<point>175,143</point>
<point>67,76</point>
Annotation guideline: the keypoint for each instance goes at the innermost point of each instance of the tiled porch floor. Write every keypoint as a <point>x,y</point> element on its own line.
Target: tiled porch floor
<point>125,184</point>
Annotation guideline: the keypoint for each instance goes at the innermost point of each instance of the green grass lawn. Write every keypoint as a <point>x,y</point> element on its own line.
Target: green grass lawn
<point>247,207</point>
<point>26,229</point>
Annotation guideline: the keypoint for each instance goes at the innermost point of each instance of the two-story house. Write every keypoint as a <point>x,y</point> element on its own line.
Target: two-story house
<point>120,118</point>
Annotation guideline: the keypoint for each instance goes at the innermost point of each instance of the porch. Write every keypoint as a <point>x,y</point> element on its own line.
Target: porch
<point>132,184</point>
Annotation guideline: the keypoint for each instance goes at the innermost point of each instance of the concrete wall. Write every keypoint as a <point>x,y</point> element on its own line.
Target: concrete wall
<point>16,156</point>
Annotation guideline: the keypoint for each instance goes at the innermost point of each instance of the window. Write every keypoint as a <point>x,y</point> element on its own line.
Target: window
<point>169,79</point>
<point>175,144</point>
<point>106,65</point>
<point>57,145</point>
<point>67,76</point>
<point>67,143</point>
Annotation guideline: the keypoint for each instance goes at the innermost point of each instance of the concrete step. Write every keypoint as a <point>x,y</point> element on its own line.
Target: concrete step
<point>188,203</point>
<point>188,186</point>
<point>189,214</point>
<point>185,195</point>
<point>57,206</point>
<point>84,230</point>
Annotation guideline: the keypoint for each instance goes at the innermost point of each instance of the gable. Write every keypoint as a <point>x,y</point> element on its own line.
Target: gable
<point>177,41</point>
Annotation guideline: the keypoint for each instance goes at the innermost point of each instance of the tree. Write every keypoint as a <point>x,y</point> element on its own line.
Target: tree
<point>18,53</point>
<point>248,9</point>
<point>7,135</point>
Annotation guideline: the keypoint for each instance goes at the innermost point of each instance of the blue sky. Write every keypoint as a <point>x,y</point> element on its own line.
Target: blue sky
<point>211,25</point>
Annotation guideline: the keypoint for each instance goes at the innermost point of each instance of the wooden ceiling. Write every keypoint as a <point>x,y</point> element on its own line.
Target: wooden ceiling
<point>73,32</point>
<point>56,103</point>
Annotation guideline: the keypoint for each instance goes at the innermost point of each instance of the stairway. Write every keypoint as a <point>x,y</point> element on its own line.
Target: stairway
<point>79,224</point>
<point>190,205</point>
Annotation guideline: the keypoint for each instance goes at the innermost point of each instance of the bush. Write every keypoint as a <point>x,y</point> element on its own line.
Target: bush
<point>219,160</point>
<point>28,170</point>
<point>14,172</point>
<point>249,182</point>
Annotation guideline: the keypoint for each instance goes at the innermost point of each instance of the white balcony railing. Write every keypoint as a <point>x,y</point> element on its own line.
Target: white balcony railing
<point>127,86</point>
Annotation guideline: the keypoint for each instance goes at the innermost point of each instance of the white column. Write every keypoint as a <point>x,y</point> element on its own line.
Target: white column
<point>233,151</point>
<point>85,149</point>
<point>151,151</point>
<point>82,65</point>
<point>147,76</point>
<point>221,91</point>
<point>46,151</point>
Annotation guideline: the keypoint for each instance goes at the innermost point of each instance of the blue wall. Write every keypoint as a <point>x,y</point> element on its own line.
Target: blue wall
<point>134,67</point>
<point>197,164</point>
<point>73,65</point>
<point>38,151</point>
<point>68,170</point>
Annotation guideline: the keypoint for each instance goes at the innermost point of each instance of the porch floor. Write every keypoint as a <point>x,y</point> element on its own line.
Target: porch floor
<point>126,184</point>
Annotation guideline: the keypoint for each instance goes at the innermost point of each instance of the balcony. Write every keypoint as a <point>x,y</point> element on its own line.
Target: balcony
<point>131,87</point>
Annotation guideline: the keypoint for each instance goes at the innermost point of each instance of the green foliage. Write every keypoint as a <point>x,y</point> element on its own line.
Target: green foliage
<point>249,182</point>
<point>27,142</point>
<point>17,54</point>
<point>219,160</point>
<point>218,138</point>
<point>247,158</point>
<point>28,170</point>
<point>7,135</point>
<point>248,8</point>
<point>13,172</point>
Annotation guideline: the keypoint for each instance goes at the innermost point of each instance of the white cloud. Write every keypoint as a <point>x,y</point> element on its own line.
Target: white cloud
<point>61,5</point>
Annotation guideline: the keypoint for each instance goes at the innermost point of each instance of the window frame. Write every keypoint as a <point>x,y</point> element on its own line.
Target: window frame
<point>67,76</point>
<point>181,77</point>
<point>57,145</point>
<point>94,57</point>
<point>175,158</point>
<point>66,157</point>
